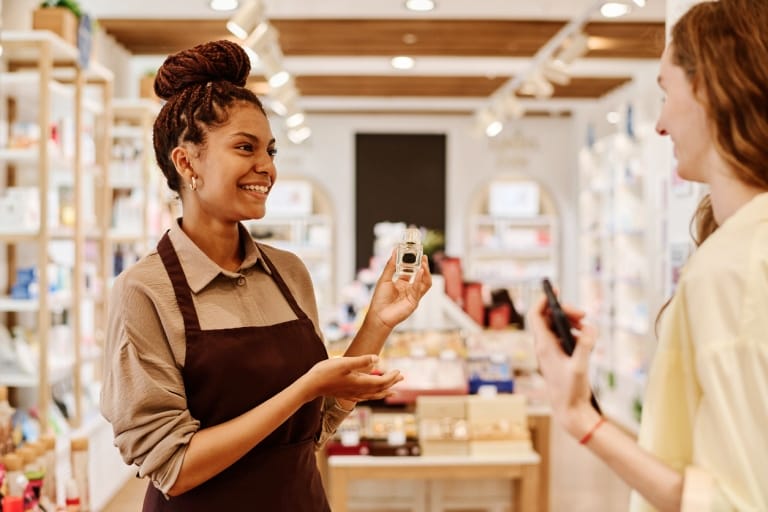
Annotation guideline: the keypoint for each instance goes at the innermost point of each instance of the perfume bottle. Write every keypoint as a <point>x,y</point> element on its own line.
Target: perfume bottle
<point>408,256</point>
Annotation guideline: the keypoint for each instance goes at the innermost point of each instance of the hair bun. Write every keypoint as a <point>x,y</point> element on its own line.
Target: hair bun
<point>208,62</point>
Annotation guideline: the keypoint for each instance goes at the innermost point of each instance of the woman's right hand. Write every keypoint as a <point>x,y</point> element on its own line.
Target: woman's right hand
<point>350,378</point>
<point>567,377</point>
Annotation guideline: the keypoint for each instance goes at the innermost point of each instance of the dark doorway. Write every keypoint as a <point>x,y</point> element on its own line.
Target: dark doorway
<point>399,178</point>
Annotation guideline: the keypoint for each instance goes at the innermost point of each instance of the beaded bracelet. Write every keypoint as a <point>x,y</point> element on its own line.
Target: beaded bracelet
<point>588,435</point>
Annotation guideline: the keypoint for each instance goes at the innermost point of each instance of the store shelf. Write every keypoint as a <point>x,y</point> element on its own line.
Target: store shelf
<point>57,372</point>
<point>56,301</point>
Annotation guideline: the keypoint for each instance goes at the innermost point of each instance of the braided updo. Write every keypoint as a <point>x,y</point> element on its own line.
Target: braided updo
<point>199,85</point>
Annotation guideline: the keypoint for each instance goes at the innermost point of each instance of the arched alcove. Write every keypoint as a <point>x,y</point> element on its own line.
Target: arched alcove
<point>512,236</point>
<point>300,218</point>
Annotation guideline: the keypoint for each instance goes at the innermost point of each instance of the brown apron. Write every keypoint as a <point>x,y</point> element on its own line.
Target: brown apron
<point>230,371</point>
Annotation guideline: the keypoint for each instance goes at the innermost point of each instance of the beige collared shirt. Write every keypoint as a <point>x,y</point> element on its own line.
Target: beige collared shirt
<point>706,405</point>
<point>143,394</point>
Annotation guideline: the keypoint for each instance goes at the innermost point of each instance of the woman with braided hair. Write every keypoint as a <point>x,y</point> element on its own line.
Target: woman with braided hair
<point>218,385</point>
<point>702,445</point>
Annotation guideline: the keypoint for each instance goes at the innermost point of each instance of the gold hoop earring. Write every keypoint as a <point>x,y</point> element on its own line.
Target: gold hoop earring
<point>193,184</point>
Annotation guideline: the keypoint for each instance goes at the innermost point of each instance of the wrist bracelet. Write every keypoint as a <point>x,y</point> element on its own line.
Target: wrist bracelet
<point>588,435</point>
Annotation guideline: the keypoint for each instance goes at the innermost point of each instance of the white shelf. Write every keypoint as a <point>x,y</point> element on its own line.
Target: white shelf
<point>56,301</point>
<point>128,132</point>
<point>24,45</point>
<point>56,373</point>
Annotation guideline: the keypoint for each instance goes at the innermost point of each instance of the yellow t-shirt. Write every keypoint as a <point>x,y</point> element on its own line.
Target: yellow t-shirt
<point>706,404</point>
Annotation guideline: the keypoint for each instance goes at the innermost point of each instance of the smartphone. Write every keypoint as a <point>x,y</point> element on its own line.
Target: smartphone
<point>561,326</point>
<point>559,323</point>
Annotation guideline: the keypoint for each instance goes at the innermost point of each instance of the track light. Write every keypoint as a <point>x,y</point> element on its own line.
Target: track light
<point>511,107</point>
<point>299,134</point>
<point>294,120</point>
<point>555,71</point>
<point>279,79</point>
<point>262,36</point>
<point>246,19</point>
<point>576,46</point>
<point>538,86</point>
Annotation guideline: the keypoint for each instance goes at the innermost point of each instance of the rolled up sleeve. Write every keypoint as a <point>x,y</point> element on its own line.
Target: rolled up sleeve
<point>143,393</point>
<point>333,415</point>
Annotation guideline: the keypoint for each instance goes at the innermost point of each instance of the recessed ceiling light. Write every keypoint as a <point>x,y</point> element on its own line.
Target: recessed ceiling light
<point>613,117</point>
<point>639,3</point>
<point>223,5</point>
<point>402,62</point>
<point>410,38</point>
<point>420,5</point>
<point>614,9</point>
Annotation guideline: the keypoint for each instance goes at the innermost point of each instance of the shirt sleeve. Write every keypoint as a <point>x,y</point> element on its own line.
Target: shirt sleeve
<point>333,415</point>
<point>143,393</point>
<point>730,469</point>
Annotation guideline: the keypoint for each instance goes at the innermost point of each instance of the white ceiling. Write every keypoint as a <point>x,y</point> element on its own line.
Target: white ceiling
<point>655,10</point>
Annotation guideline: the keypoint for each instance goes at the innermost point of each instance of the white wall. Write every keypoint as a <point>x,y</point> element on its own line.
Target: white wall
<point>328,157</point>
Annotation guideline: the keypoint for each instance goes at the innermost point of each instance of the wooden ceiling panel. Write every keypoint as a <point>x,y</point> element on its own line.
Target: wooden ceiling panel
<point>418,86</point>
<point>320,37</point>
<point>439,86</point>
<point>385,37</point>
<point>492,38</point>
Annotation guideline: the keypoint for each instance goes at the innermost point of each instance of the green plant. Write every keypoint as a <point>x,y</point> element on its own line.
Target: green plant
<point>72,5</point>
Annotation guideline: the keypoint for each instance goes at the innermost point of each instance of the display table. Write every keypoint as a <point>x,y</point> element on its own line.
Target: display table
<point>539,423</point>
<point>521,469</point>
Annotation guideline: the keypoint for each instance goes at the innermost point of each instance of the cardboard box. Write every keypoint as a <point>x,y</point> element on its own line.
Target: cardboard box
<point>439,407</point>
<point>59,20</point>
<point>444,447</point>
<point>496,448</point>
<point>147,87</point>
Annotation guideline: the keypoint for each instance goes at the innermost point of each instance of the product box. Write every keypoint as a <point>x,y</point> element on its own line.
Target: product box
<point>439,407</point>
<point>498,424</point>
<point>59,20</point>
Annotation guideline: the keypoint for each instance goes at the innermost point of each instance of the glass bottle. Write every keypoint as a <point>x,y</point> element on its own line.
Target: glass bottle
<point>408,257</point>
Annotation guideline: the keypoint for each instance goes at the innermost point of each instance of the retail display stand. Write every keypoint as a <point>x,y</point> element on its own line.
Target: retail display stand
<point>621,237</point>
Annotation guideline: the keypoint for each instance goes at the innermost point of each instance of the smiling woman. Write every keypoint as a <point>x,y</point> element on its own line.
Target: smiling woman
<point>211,314</point>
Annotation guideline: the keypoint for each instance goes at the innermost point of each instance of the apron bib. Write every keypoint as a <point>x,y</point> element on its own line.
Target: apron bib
<point>226,373</point>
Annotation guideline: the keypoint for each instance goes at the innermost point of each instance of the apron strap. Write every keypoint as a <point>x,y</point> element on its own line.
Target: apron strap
<point>180,286</point>
<point>283,287</point>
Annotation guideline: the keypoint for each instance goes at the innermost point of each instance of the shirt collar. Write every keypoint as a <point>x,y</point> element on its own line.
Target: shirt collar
<point>754,210</point>
<point>199,269</point>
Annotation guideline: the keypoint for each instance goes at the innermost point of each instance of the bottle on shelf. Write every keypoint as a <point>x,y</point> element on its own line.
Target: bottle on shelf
<point>6,422</point>
<point>72,501</point>
<point>16,483</point>
<point>49,466</point>
<point>79,456</point>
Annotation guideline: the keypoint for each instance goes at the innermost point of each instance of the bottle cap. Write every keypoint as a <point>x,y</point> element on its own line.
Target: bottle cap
<point>412,236</point>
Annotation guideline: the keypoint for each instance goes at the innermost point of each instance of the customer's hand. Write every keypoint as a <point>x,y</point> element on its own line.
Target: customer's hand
<point>567,377</point>
<point>350,378</point>
<point>394,301</point>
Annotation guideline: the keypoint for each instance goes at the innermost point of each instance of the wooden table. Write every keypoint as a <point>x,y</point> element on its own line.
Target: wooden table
<point>522,470</point>
<point>539,423</point>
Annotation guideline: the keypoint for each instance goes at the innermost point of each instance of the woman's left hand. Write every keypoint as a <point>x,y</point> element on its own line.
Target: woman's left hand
<point>394,301</point>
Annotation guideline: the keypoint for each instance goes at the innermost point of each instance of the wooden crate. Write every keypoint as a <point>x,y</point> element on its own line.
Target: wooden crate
<point>59,20</point>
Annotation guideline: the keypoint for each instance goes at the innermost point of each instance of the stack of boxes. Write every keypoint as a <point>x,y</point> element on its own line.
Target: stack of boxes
<point>473,425</point>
